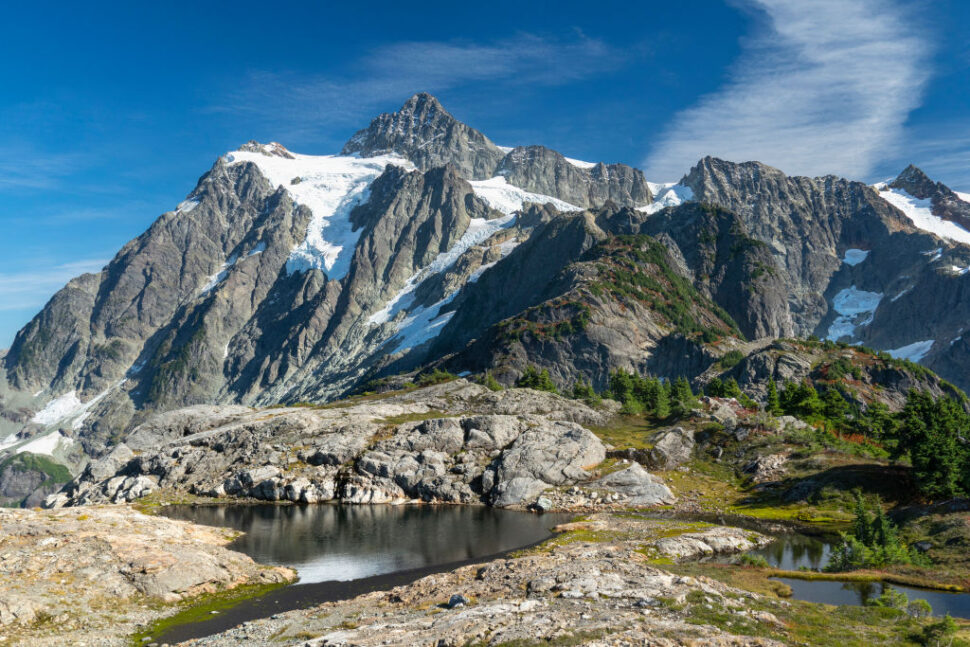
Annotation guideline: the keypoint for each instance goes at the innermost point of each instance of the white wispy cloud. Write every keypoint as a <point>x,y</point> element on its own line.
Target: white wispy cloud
<point>23,168</point>
<point>32,288</point>
<point>298,104</point>
<point>823,87</point>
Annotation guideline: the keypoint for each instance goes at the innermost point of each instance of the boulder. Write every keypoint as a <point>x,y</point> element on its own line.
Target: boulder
<point>639,486</point>
<point>671,447</point>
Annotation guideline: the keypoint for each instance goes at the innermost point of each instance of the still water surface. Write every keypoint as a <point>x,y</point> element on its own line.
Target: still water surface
<point>341,551</point>
<point>793,552</point>
<point>341,542</point>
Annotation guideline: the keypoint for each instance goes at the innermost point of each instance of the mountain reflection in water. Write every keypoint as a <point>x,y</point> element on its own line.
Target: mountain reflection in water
<point>343,542</point>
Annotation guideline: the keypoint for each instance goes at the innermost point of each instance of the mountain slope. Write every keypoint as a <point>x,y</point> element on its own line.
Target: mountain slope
<point>286,277</point>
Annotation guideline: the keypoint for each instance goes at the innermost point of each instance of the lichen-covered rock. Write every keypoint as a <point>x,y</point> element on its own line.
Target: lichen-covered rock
<point>109,557</point>
<point>709,542</point>
<point>637,485</point>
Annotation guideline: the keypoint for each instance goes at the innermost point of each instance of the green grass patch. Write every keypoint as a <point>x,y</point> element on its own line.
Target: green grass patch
<point>201,608</point>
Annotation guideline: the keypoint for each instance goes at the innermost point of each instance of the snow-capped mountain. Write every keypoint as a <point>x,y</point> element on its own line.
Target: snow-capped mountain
<point>285,277</point>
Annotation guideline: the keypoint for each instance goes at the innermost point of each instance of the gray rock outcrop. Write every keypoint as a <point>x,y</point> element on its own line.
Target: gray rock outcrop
<point>671,448</point>
<point>515,445</point>
<point>640,487</point>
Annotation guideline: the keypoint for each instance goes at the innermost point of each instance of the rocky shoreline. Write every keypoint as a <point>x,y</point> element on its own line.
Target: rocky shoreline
<point>94,575</point>
<point>606,591</point>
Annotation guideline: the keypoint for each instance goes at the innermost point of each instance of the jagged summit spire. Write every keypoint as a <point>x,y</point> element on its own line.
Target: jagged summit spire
<point>916,183</point>
<point>428,135</point>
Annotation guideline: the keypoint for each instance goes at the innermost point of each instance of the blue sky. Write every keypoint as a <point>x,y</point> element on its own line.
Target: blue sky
<point>109,113</point>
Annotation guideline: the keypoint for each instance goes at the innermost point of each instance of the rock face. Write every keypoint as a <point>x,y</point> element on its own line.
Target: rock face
<point>68,566</point>
<point>671,448</point>
<point>709,542</point>
<point>424,132</point>
<point>450,252</point>
<point>541,170</point>
<point>465,444</point>
<point>636,483</point>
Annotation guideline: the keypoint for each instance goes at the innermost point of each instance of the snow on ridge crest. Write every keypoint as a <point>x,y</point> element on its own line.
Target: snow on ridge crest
<point>508,198</point>
<point>669,194</point>
<point>920,214</point>
<point>330,186</point>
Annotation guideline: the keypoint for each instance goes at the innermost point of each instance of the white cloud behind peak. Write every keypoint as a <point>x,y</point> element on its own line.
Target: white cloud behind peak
<point>822,87</point>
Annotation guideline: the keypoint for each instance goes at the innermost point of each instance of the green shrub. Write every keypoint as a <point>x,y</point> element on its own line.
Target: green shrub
<point>731,359</point>
<point>532,378</point>
<point>435,376</point>
<point>489,381</point>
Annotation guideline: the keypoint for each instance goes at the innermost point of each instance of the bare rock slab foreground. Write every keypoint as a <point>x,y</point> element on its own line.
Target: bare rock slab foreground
<point>93,575</point>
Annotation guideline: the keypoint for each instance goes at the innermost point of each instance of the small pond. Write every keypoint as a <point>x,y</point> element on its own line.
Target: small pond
<point>340,551</point>
<point>792,552</point>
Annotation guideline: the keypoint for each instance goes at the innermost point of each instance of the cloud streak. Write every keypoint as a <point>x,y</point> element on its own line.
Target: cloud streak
<point>822,87</point>
<point>299,105</point>
<point>32,288</point>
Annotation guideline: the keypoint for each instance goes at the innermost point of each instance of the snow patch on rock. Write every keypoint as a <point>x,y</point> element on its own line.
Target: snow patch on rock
<point>855,308</point>
<point>913,352</point>
<point>855,256</point>
<point>46,444</point>
<point>666,195</point>
<point>57,409</point>
<point>580,163</point>
<point>502,196</point>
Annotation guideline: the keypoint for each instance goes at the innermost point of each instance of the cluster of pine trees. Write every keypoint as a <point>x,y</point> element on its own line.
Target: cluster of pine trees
<point>650,395</point>
<point>873,542</point>
<point>935,435</point>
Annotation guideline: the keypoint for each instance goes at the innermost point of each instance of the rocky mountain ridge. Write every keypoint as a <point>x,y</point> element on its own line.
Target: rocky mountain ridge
<point>286,278</point>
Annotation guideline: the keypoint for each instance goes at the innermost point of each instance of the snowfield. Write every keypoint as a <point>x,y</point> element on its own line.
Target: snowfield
<point>504,197</point>
<point>855,256</point>
<point>330,186</point>
<point>57,409</point>
<point>919,212</point>
<point>670,194</point>
<point>913,352</point>
<point>852,304</point>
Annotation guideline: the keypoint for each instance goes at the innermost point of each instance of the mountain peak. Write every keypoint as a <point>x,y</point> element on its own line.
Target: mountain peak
<point>421,100</point>
<point>915,182</point>
<point>272,149</point>
<point>944,202</point>
<point>428,135</point>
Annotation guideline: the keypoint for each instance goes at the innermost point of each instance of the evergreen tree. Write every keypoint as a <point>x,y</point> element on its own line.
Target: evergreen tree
<point>862,526</point>
<point>929,433</point>
<point>834,406</point>
<point>661,408</point>
<point>583,390</point>
<point>801,400</point>
<point>682,399</point>
<point>732,390</point>
<point>773,405</point>
<point>715,388</point>
<point>621,385</point>
<point>532,378</point>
